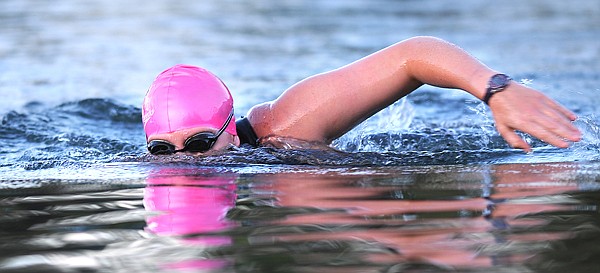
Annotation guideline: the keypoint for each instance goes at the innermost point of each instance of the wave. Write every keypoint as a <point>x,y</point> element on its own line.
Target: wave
<point>89,130</point>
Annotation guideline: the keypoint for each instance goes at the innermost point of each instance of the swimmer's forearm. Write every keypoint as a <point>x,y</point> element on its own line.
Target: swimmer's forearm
<point>519,108</point>
<point>436,62</point>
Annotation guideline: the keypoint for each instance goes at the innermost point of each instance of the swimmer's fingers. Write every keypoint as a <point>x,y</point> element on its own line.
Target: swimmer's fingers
<point>538,130</point>
<point>512,138</point>
<point>557,122</point>
<point>561,109</point>
<point>548,135</point>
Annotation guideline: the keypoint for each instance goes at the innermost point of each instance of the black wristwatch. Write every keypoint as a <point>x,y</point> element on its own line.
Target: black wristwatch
<point>496,84</point>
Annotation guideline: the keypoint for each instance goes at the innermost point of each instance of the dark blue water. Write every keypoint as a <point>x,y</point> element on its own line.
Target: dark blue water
<point>426,185</point>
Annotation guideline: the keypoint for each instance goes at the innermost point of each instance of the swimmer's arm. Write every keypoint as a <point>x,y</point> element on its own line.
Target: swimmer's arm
<point>325,106</point>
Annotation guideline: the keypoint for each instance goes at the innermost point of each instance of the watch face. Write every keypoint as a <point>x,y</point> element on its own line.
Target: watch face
<point>499,81</point>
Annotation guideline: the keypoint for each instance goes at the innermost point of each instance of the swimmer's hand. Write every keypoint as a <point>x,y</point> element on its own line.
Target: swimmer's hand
<point>521,108</point>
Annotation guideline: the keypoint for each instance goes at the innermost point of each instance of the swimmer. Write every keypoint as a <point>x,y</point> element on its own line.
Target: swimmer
<point>188,109</point>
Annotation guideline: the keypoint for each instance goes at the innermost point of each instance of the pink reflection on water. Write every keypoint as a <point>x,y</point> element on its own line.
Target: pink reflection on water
<point>194,207</point>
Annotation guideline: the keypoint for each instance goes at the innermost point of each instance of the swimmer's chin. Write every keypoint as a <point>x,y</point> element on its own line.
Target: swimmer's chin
<point>289,143</point>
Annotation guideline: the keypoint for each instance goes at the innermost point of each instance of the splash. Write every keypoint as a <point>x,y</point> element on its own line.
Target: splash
<point>588,147</point>
<point>391,131</point>
<point>387,123</point>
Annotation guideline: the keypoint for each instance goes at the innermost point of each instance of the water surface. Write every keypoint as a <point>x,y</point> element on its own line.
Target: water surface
<point>426,185</point>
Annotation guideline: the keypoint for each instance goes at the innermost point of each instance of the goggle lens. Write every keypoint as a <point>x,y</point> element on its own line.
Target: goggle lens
<point>157,147</point>
<point>201,142</point>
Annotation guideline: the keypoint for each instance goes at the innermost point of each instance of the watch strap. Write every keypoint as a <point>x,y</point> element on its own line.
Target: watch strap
<point>494,86</point>
<point>488,95</point>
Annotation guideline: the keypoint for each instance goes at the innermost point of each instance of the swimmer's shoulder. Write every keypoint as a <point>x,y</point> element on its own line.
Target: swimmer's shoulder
<point>261,119</point>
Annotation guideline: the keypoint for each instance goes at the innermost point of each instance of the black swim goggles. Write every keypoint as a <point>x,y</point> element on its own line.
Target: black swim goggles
<point>198,143</point>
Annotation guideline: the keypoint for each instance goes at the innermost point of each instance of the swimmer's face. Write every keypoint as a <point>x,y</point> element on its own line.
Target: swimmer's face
<point>196,140</point>
<point>178,139</point>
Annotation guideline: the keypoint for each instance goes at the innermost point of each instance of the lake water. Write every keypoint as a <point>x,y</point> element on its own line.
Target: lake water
<point>426,185</point>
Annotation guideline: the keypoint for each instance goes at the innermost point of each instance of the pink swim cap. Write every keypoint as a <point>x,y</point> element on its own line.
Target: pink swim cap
<point>184,97</point>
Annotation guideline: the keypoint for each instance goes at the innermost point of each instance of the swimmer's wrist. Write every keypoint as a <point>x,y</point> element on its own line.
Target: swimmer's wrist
<point>478,82</point>
<point>496,83</point>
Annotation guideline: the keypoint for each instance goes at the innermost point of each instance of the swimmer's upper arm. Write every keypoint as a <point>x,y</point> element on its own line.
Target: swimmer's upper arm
<point>325,106</point>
